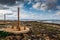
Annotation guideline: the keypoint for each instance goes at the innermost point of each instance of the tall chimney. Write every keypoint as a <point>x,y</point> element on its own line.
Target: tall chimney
<point>4,19</point>
<point>18,27</point>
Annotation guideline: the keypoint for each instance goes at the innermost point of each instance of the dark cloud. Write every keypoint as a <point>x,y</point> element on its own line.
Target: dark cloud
<point>6,4</point>
<point>51,4</point>
<point>4,8</point>
<point>9,2</point>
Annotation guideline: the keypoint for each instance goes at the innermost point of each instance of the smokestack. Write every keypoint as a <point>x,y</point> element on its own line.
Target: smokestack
<point>18,27</point>
<point>4,19</point>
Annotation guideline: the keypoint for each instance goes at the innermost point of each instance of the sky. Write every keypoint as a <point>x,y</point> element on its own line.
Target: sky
<point>30,9</point>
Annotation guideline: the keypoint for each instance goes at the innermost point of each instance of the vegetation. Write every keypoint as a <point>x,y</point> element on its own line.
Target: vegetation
<point>38,28</point>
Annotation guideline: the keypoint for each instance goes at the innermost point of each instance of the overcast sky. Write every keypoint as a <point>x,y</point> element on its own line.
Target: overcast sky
<point>31,9</point>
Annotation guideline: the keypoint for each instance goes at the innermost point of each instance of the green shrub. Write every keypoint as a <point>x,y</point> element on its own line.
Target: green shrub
<point>3,34</point>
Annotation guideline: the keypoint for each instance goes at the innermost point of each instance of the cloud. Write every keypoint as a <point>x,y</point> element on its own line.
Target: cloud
<point>51,4</point>
<point>57,13</point>
<point>37,0</point>
<point>45,4</point>
<point>10,2</point>
<point>5,11</point>
<point>7,2</point>
<point>37,5</point>
<point>2,12</point>
<point>30,1</point>
<point>7,5</point>
<point>58,7</point>
<point>24,16</point>
<point>43,7</point>
<point>4,7</point>
<point>40,6</point>
<point>10,6</point>
<point>50,1</point>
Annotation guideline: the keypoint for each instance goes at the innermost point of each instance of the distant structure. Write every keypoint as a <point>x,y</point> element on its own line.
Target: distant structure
<point>4,18</point>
